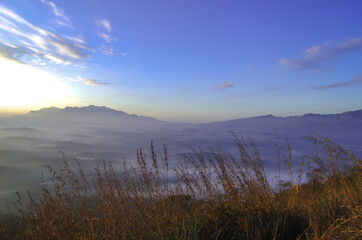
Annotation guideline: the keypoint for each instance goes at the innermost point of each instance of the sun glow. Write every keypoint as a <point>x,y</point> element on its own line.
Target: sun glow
<point>22,86</point>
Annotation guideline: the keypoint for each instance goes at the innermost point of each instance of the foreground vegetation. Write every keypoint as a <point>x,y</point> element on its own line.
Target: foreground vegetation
<point>213,196</point>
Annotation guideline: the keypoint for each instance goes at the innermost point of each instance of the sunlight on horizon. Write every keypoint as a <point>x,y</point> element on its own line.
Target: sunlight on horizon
<point>23,85</point>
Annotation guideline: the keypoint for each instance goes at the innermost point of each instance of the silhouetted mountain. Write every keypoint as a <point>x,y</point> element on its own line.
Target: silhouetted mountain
<point>91,110</point>
<point>89,134</point>
<point>44,112</point>
<point>350,115</point>
<point>77,111</point>
<point>69,117</point>
<point>87,114</point>
<point>350,121</point>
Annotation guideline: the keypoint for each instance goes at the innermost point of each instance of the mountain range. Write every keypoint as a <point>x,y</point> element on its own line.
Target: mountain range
<point>89,134</point>
<point>89,111</point>
<point>96,111</point>
<point>84,115</point>
<point>346,122</point>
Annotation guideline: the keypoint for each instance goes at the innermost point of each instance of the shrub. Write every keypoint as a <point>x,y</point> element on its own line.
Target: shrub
<point>216,196</point>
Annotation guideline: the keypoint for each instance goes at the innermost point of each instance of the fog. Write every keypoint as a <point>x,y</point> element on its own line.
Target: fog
<point>90,134</point>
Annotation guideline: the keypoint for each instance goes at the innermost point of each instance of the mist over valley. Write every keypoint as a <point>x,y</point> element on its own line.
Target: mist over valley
<point>92,134</point>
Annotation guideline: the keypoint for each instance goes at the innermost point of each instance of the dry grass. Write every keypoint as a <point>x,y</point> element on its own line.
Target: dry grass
<point>215,196</point>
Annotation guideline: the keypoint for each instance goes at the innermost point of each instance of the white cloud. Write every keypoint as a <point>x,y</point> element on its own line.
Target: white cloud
<point>90,82</point>
<point>108,50</point>
<point>104,23</point>
<point>318,57</point>
<point>105,30</point>
<point>228,84</point>
<point>24,42</point>
<point>62,19</point>
<point>78,40</point>
<point>56,59</point>
<point>355,81</point>
<point>106,37</point>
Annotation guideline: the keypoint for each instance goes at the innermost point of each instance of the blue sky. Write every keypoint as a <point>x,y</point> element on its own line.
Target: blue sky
<point>182,60</point>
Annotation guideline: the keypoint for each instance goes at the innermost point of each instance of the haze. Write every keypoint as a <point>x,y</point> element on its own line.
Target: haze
<point>183,61</point>
<point>99,79</point>
<point>92,134</point>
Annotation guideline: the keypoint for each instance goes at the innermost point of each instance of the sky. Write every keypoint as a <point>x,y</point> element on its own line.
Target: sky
<point>182,60</point>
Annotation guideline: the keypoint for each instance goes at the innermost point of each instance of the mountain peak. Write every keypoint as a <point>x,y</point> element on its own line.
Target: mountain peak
<point>88,114</point>
<point>268,116</point>
<point>45,111</point>
<point>91,109</point>
<point>344,115</point>
<point>353,114</point>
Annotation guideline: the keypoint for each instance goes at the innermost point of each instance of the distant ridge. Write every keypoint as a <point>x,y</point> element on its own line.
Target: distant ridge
<point>357,114</point>
<point>347,122</point>
<point>94,115</point>
<point>81,111</point>
<point>104,114</point>
<point>345,115</point>
<point>44,111</point>
<point>91,109</point>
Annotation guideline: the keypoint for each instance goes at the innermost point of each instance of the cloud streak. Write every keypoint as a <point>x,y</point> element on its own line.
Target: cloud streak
<point>318,57</point>
<point>104,23</point>
<point>27,43</point>
<point>228,84</point>
<point>90,82</point>
<point>106,37</point>
<point>105,30</point>
<point>108,50</point>
<point>356,81</point>
<point>276,88</point>
<point>62,19</point>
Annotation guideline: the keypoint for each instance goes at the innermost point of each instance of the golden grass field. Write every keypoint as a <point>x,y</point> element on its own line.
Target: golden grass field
<point>215,196</point>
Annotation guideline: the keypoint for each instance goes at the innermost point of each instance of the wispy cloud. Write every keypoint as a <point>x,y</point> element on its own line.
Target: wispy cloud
<point>228,84</point>
<point>90,82</point>
<point>108,50</point>
<point>14,53</point>
<point>105,30</point>
<point>27,43</point>
<point>62,19</point>
<point>106,37</point>
<point>104,23</point>
<point>318,57</point>
<point>276,88</point>
<point>355,81</point>
<point>56,59</point>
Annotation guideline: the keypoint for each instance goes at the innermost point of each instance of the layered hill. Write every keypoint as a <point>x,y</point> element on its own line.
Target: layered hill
<point>84,115</point>
<point>343,123</point>
<point>347,122</point>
